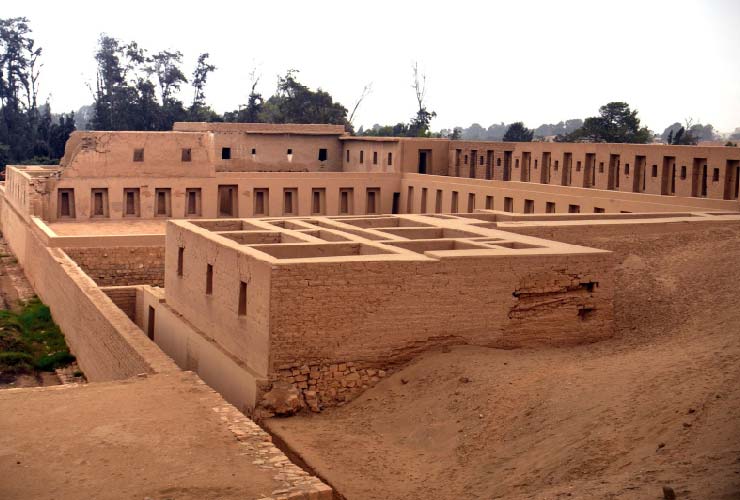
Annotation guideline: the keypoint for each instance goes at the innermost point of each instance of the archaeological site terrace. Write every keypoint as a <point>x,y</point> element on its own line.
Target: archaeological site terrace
<point>293,267</point>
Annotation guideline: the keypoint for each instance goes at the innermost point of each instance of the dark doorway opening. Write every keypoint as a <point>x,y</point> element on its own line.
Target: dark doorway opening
<point>425,159</point>
<point>396,203</point>
<point>150,324</point>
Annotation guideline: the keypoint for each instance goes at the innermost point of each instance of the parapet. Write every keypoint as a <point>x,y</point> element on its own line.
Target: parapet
<point>260,128</point>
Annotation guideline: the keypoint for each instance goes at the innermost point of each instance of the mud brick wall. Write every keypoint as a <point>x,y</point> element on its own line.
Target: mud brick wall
<point>385,312</point>
<point>121,266</point>
<point>335,326</point>
<point>108,346</point>
<point>124,298</point>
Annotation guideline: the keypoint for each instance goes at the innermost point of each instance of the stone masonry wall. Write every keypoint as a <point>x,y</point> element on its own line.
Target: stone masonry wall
<point>121,266</point>
<point>323,385</point>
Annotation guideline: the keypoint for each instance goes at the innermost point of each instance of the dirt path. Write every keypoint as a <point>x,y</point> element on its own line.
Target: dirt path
<point>658,404</point>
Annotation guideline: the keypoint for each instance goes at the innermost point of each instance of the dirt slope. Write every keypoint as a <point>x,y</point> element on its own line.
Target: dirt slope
<point>658,404</point>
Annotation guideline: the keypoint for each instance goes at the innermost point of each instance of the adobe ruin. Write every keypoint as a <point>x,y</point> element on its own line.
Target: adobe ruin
<point>256,255</point>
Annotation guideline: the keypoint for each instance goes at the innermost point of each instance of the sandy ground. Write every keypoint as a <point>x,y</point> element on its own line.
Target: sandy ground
<point>155,438</point>
<point>657,405</point>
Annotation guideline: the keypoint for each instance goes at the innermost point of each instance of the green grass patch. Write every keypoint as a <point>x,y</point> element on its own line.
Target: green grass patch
<point>30,340</point>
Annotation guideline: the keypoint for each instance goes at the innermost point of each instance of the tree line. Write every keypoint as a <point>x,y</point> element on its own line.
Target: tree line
<point>136,89</point>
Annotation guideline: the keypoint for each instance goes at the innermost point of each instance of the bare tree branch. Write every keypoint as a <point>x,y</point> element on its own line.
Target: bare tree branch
<point>366,90</point>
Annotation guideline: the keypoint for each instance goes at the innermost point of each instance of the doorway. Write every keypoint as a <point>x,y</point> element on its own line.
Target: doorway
<point>150,324</point>
<point>507,165</point>
<point>732,180</point>
<point>425,160</point>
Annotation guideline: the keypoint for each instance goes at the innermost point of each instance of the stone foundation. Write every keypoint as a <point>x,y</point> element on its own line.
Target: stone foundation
<point>326,385</point>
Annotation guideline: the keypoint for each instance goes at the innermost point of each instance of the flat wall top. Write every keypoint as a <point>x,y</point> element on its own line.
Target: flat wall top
<point>368,238</point>
<point>260,128</point>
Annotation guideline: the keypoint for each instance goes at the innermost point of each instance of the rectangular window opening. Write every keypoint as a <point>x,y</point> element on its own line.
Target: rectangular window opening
<point>187,154</point>
<point>242,298</point>
<point>180,260</point>
<point>323,154</point>
<point>225,153</point>
<point>209,279</point>
<point>139,154</point>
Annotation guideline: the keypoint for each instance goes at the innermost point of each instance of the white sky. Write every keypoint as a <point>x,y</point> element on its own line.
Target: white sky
<point>535,61</point>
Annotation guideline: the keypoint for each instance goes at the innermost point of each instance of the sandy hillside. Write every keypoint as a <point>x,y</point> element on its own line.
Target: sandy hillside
<point>657,405</point>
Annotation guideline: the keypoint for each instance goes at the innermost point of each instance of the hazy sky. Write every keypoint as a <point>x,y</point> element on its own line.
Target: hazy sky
<point>535,61</point>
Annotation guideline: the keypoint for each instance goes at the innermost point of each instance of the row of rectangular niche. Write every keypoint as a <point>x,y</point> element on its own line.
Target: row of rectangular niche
<point>528,205</point>
<point>227,202</point>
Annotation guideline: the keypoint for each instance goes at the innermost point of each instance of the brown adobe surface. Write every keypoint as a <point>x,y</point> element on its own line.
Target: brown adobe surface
<point>658,404</point>
<point>157,437</point>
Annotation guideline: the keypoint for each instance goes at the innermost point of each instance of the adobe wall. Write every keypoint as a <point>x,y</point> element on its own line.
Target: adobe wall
<point>124,297</point>
<point>108,346</point>
<point>622,158</point>
<point>381,313</point>
<point>439,148</point>
<point>117,266</point>
<point>592,233</point>
<point>246,184</point>
<point>192,349</point>
<point>244,337</point>
<point>368,150</point>
<point>587,200</point>
<point>271,153</point>
<point>111,154</point>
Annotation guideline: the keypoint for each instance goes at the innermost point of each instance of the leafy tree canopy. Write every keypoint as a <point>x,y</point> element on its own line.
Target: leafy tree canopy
<point>616,123</point>
<point>517,132</point>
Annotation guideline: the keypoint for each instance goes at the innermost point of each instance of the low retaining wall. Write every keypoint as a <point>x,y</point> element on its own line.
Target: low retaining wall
<point>107,344</point>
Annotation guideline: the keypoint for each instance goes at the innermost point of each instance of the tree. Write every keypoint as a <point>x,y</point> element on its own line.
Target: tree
<point>139,92</point>
<point>419,126</point>
<point>366,90</point>
<point>251,113</point>
<point>28,132</point>
<point>517,132</point>
<point>294,102</point>
<point>200,75</point>
<point>616,123</point>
